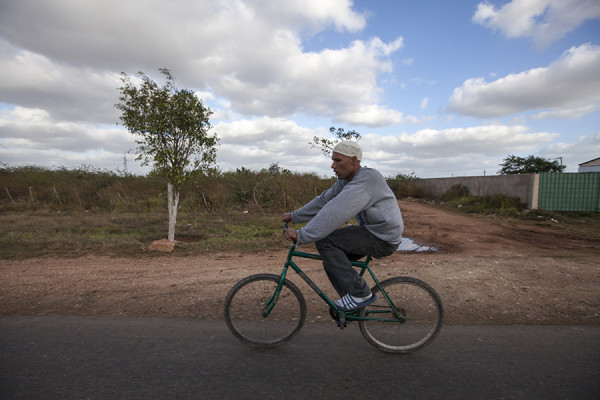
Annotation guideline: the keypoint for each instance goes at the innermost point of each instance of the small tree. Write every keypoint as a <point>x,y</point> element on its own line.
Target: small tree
<point>532,164</point>
<point>173,129</point>
<point>326,145</point>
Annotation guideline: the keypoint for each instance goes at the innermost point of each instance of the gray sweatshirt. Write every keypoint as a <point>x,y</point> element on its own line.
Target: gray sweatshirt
<point>366,197</point>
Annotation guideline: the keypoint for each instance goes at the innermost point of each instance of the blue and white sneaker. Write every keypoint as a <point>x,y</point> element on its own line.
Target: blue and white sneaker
<point>349,302</point>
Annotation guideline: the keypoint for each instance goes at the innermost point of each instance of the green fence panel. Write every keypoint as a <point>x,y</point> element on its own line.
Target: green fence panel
<point>569,191</point>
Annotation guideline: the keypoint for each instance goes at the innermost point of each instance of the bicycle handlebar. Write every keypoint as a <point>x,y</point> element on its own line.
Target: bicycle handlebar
<point>285,225</point>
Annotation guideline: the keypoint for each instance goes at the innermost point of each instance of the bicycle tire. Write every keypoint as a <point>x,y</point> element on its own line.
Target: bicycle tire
<point>421,313</point>
<point>244,307</point>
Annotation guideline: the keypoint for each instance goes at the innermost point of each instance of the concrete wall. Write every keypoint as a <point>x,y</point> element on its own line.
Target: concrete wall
<point>523,186</point>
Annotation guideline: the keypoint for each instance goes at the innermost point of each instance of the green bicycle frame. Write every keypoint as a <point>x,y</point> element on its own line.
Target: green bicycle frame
<point>349,315</point>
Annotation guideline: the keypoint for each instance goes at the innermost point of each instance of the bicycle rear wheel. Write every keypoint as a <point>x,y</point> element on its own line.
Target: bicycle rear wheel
<point>421,315</point>
<point>245,308</point>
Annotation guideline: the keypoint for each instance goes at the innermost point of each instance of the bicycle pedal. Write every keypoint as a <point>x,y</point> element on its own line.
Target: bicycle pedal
<point>342,321</point>
<point>341,324</point>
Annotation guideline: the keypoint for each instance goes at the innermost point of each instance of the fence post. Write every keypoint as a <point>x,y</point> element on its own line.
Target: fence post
<point>78,199</point>
<point>535,192</point>
<point>9,196</point>
<point>57,196</point>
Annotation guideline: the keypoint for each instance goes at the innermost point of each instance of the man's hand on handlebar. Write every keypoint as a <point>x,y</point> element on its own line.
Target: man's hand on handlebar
<point>291,235</point>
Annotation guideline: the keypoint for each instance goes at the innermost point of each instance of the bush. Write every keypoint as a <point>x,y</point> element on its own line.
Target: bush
<point>455,192</point>
<point>405,186</point>
<point>273,188</point>
<point>458,196</point>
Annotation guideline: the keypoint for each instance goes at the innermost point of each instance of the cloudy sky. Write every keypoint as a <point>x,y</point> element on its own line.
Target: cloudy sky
<point>439,88</point>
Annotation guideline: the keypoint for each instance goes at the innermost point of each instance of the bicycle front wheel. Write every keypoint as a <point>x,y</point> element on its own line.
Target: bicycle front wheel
<point>245,311</point>
<point>417,321</point>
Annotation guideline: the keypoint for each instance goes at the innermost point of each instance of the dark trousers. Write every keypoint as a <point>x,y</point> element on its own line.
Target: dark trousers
<point>343,245</point>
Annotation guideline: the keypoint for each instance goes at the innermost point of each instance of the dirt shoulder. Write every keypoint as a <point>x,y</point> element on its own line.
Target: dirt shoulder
<point>488,271</point>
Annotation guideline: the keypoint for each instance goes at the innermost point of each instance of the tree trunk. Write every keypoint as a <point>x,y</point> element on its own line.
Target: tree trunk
<point>173,202</point>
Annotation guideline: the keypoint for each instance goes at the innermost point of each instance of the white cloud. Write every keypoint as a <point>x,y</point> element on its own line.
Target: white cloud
<point>545,21</point>
<point>53,158</point>
<point>462,151</point>
<point>478,139</point>
<point>570,113</point>
<point>35,129</point>
<point>312,13</point>
<point>571,81</point>
<point>424,103</point>
<point>332,83</point>
<point>247,52</point>
<point>257,143</point>
<point>375,116</point>
<point>585,148</point>
<point>66,91</point>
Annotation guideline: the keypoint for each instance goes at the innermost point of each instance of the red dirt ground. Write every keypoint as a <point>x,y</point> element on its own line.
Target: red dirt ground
<point>488,271</point>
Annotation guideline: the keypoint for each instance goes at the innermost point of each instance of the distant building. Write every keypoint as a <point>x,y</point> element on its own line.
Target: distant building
<point>590,166</point>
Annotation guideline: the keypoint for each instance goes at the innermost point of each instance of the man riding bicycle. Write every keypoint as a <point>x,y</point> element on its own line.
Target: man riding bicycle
<point>362,193</point>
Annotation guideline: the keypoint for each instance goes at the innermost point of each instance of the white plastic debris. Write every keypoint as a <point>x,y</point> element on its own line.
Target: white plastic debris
<point>409,245</point>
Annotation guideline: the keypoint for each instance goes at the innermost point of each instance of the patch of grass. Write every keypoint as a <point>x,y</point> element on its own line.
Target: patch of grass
<point>72,234</point>
<point>458,197</point>
<point>497,204</point>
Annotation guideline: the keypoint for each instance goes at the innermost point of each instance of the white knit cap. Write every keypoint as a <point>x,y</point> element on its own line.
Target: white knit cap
<point>349,148</point>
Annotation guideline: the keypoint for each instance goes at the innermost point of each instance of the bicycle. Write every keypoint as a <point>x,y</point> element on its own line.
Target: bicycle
<point>266,310</point>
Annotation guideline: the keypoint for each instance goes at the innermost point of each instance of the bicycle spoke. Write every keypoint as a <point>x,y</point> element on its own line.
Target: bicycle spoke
<point>420,311</point>
<point>245,311</point>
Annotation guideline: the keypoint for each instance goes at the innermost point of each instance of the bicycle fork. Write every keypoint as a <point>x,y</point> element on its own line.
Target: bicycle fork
<point>275,296</point>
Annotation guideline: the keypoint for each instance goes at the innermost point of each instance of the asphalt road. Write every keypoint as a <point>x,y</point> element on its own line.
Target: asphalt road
<point>142,358</point>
